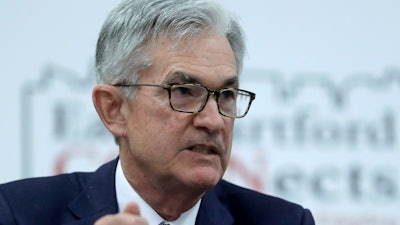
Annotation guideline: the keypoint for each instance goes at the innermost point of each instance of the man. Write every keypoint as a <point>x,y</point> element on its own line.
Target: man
<point>167,90</point>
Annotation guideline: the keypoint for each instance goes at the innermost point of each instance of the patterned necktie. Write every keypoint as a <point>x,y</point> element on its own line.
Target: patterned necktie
<point>163,223</point>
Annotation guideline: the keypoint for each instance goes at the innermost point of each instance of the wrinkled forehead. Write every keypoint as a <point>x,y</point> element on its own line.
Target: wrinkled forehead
<point>207,57</point>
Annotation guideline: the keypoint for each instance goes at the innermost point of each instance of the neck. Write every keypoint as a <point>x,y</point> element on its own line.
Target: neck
<point>170,205</point>
<point>168,197</point>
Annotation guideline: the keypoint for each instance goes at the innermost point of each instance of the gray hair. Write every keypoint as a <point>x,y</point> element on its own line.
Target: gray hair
<point>124,40</point>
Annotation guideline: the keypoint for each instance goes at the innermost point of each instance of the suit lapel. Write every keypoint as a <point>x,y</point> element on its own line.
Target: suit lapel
<point>98,197</point>
<point>212,211</point>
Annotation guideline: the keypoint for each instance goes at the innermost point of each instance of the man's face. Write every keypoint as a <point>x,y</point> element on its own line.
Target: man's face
<point>175,149</point>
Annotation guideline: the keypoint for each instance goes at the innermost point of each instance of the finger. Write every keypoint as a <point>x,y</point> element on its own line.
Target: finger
<point>121,219</point>
<point>132,208</point>
<point>130,215</point>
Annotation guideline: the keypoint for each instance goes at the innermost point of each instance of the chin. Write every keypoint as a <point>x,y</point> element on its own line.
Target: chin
<point>205,180</point>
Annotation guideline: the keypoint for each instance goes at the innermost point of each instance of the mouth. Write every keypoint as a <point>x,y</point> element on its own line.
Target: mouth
<point>203,149</point>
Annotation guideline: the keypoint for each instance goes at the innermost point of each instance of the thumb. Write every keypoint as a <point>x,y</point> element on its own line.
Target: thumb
<point>132,208</point>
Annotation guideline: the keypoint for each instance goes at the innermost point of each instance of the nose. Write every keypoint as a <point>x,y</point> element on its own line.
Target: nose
<point>210,118</point>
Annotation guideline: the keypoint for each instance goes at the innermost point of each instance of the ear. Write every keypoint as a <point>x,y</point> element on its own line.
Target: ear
<point>109,104</point>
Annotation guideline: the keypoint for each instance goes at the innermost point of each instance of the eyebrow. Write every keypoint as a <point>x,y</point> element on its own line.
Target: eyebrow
<point>181,77</point>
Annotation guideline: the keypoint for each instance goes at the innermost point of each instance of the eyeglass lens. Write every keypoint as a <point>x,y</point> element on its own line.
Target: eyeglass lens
<point>192,98</point>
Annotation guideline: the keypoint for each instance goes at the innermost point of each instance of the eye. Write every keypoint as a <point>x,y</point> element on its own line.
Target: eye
<point>228,94</point>
<point>188,91</point>
<point>182,90</point>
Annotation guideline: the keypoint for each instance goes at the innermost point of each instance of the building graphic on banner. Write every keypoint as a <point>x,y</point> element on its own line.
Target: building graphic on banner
<point>62,131</point>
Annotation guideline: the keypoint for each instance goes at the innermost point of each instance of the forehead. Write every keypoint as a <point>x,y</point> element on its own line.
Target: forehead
<point>207,59</point>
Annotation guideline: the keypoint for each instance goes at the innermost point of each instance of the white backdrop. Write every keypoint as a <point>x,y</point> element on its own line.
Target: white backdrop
<point>323,131</point>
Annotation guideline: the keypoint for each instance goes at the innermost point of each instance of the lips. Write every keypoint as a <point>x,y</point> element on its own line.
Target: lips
<point>203,149</point>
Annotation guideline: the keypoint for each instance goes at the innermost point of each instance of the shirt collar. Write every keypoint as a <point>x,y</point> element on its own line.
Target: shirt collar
<point>125,194</point>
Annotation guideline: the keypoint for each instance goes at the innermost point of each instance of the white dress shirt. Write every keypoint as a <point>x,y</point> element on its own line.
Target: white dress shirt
<point>125,194</point>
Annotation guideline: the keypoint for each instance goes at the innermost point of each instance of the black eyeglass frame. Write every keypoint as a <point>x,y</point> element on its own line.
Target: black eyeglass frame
<point>216,93</point>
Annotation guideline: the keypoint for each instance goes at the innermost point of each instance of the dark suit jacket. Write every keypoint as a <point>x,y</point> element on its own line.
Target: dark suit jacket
<point>81,198</point>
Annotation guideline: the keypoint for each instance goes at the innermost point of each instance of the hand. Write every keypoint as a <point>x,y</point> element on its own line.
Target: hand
<point>130,216</point>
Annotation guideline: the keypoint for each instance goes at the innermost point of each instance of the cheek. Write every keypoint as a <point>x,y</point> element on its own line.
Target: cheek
<point>151,135</point>
<point>228,135</point>
<point>228,130</point>
<point>158,125</point>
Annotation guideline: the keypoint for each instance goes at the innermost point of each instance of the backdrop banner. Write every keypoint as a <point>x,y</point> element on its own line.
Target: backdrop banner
<point>330,146</point>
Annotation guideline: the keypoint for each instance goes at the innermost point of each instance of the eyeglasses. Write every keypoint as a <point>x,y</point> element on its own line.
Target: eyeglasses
<point>192,98</point>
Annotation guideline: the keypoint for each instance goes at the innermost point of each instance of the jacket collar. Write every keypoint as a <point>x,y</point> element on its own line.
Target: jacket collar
<point>212,211</point>
<point>98,197</point>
